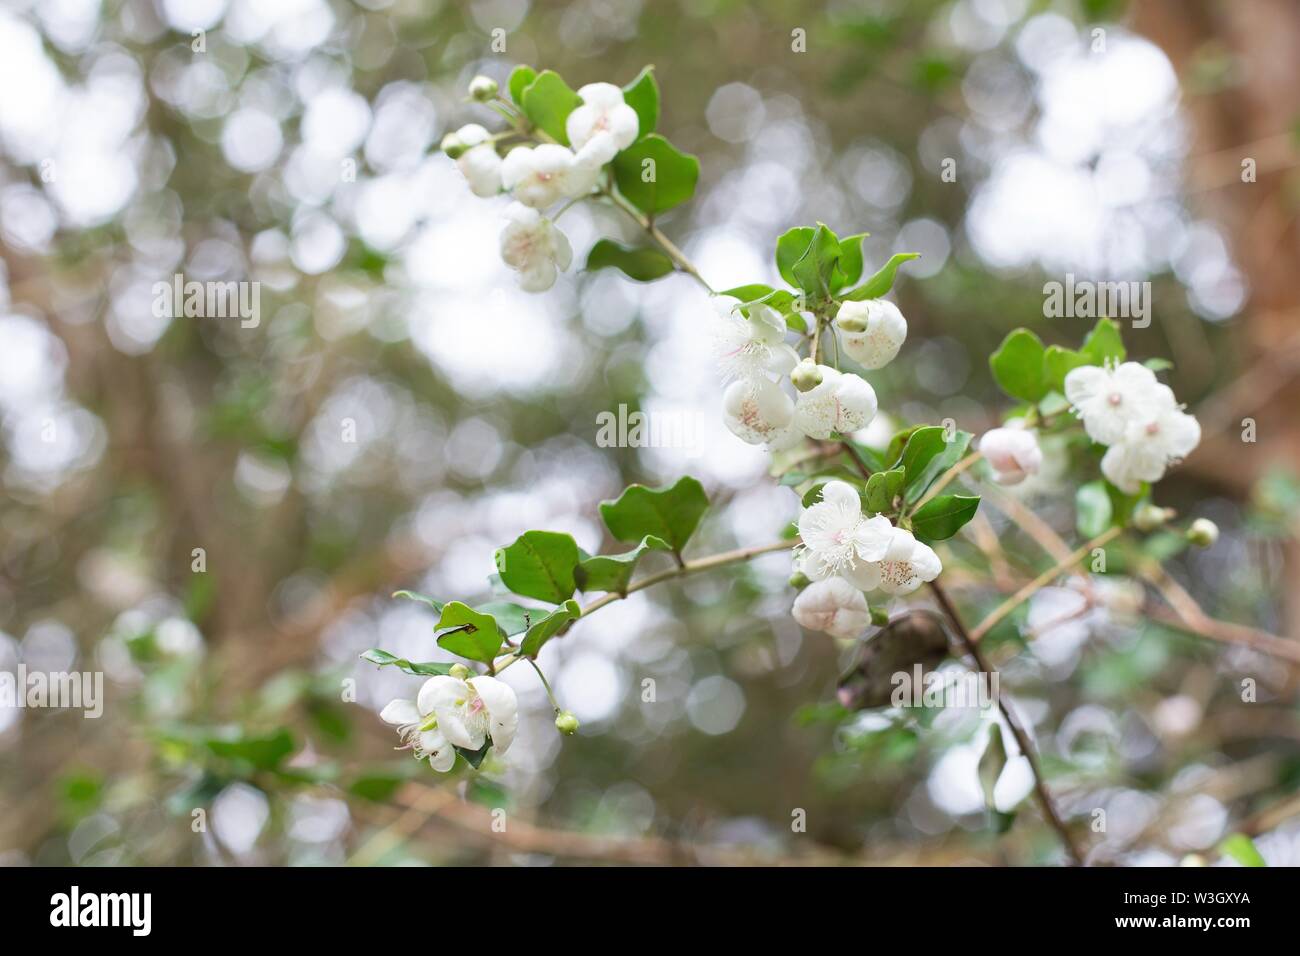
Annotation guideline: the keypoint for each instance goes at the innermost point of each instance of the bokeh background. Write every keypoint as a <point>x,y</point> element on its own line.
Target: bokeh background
<point>299,149</point>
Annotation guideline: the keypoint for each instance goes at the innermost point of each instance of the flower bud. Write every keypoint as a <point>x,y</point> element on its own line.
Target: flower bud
<point>460,671</point>
<point>1149,517</point>
<point>806,375</point>
<point>483,88</point>
<point>566,723</point>
<point>453,146</point>
<point>799,580</point>
<point>879,616</point>
<point>1203,532</point>
<point>852,322</point>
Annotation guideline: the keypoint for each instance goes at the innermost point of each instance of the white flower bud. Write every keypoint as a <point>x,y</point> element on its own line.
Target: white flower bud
<point>833,606</point>
<point>1149,517</point>
<point>1012,452</point>
<point>758,412</point>
<point>1203,533</point>
<point>871,332</point>
<point>483,88</point>
<point>532,245</point>
<point>842,403</point>
<point>806,376</point>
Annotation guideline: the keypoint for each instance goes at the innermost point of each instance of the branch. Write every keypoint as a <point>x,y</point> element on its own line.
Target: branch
<point>1022,739</point>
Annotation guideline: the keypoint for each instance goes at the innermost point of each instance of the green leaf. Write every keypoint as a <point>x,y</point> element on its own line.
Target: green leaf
<point>263,751</point>
<point>540,565</point>
<point>991,765</point>
<point>749,293</point>
<point>380,784</point>
<point>1103,343</point>
<point>882,488</point>
<point>654,175</point>
<point>475,757</point>
<point>545,629</point>
<point>812,272</point>
<point>882,281</point>
<point>943,517</point>
<point>849,269</point>
<point>613,572</point>
<point>511,618</point>
<point>1158,364</point>
<point>951,453</point>
<point>671,514</point>
<point>1059,362</point>
<point>1092,509</point>
<point>548,101</point>
<point>1242,849</point>
<point>645,264</point>
<point>1018,366</point>
<point>385,659</point>
<point>520,78</point>
<point>423,599</point>
<point>642,94</point>
<point>920,446</point>
<point>472,635</point>
<point>790,248</point>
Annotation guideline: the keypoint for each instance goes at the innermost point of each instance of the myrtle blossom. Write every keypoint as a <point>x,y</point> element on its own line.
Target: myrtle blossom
<point>1151,442</point>
<point>747,347</point>
<point>843,402</point>
<point>480,163</point>
<point>540,176</point>
<point>907,563</point>
<point>833,606</point>
<point>1013,453</point>
<point>758,412</point>
<point>839,540</point>
<point>870,332</point>
<point>470,711</point>
<point>603,125</point>
<point>533,246</point>
<point>417,726</point>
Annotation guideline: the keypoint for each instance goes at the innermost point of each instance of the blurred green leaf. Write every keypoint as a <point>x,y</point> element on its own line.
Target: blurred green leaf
<point>1018,366</point>
<point>642,94</point>
<point>644,264</point>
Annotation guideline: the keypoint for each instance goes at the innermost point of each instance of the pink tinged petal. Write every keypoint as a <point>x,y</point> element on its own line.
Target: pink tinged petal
<point>400,712</point>
<point>832,606</point>
<point>440,693</point>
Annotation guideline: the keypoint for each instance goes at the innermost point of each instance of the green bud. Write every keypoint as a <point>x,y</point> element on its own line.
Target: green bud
<point>453,146</point>
<point>879,616</point>
<point>806,376</point>
<point>1149,517</point>
<point>483,88</point>
<point>799,580</point>
<point>460,671</point>
<point>1203,532</point>
<point>566,723</point>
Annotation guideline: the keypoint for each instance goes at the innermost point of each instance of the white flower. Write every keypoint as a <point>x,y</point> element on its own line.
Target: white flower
<point>907,563</point>
<point>839,540</point>
<point>1012,452</point>
<point>758,412</point>
<point>469,711</point>
<point>480,164</point>
<point>418,729</point>
<point>541,176</point>
<point>833,606</point>
<point>603,125</point>
<point>843,403</point>
<point>532,245</point>
<point>746,347</point>
<point>1109,398</point>
<point>871,332</point>
<point>1151,442</point>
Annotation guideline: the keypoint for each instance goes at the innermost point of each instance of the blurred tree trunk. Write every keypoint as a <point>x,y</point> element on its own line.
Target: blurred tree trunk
<point>1239,63</point>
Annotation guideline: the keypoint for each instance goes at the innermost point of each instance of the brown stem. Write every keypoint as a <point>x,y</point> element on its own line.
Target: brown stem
<point>1022,738</point>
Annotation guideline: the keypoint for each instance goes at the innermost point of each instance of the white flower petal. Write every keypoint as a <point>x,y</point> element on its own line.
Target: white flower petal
<point>832,606</point>
<point>503,710</point>
<point>400,712</point>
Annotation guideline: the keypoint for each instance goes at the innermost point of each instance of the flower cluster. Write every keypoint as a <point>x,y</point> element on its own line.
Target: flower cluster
<point>846,553</point>
<point>451,712</point>
<point>539,176</point>
<point>1124,407</point>
<point>754,356</point>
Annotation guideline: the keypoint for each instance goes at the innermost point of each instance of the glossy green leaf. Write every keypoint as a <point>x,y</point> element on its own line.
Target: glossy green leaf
<point>790,248</point>
<point>424,669</point>
<point>883,280</point>
<point>520,79</point>
<point>882,488</point>
<point>511,618</point>
<point>547,627</point>
<point>540,565</point>
<point>953,451</point>
<point>944,516</point>
<point>1018,366</point>
<point>849,268</point>
<point>1093,510</point>
<point>671,514</point>
<point>921,445</point>
<point>642,94</point>
<point>654,175</point>
<point>421,598</point>
<point>812,272</point>
<point>547,102</point>
<point>613,572</point>
<point>644,264</point>
<point>469,633</point>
